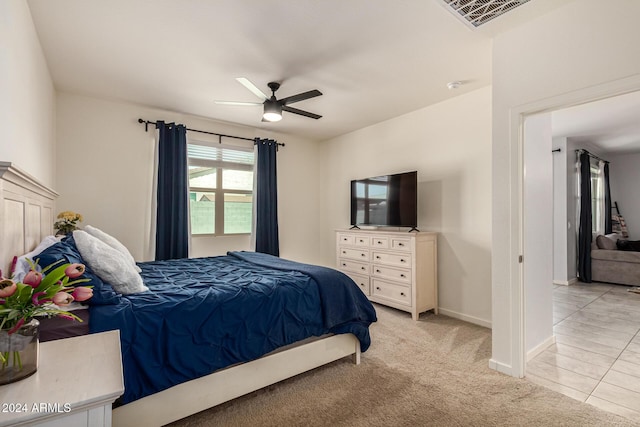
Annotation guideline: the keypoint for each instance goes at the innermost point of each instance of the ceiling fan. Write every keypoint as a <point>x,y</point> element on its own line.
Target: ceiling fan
<point>274,107</point>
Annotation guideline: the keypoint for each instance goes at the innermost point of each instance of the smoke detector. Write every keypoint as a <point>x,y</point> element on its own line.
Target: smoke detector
<point>454,85</point>
<point>474,13</point>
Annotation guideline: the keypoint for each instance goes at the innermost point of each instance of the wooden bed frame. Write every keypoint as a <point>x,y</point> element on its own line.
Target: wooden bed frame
<point>26,217</point>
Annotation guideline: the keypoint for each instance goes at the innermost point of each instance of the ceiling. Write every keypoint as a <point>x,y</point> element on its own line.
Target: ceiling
<point>611,125</point>
<point>372,60</point>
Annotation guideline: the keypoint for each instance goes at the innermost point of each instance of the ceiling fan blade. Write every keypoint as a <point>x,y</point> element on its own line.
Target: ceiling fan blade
<point>237,103</point>
<point>257,92</point>
<point>300,97</point>
<point>300,112</point>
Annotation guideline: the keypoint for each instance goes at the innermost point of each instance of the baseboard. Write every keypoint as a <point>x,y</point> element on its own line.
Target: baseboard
<point>541,347</point>
<point>566,282</point>
<point>500,367</point>
<point>465,317</point>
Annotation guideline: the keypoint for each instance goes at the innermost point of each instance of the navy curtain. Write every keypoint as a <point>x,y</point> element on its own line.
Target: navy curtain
<point>172,220</point>
<point>607,201</point>
<point>584,232</point>
<point>267,198</point>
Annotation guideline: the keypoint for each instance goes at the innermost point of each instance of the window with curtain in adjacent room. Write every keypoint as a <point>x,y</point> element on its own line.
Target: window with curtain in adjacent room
<point>220,188</point>
<point>597,197</point>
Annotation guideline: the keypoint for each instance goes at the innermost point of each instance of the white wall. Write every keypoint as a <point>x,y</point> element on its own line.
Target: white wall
<point>570,52</point>
<point>105,172</point>
<point>538,231</point>
<point>624,175</point>
<point>560,206</point>
<point>449,145</point>
<point>27,95</point>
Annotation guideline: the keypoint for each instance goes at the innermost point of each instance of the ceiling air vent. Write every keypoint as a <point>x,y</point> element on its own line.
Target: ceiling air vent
<point>478,12</point>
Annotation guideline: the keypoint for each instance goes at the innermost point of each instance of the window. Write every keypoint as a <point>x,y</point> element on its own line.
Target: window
<point>597,198</point>
<point>220,189</point>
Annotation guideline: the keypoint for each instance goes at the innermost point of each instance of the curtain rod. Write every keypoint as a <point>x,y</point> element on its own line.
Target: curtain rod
<point>219,135</point>
<point>581,150</point>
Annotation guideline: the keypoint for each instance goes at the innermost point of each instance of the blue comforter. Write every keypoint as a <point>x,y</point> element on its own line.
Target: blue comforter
<point>204,314</point>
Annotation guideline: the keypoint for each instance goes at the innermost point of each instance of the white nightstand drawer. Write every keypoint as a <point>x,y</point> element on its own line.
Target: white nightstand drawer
<point>398,260</point>
<point>357,254</point>
<point>361,281</point>
<point>391,273</point>
<point>398,293</point>
<point>353,266</point>
<point>379,242</point>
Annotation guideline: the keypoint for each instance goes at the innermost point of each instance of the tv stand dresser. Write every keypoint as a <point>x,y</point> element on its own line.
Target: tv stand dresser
<point>393,268</point>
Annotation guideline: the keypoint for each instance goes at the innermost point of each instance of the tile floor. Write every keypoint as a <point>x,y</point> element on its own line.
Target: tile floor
<point>596,357</point>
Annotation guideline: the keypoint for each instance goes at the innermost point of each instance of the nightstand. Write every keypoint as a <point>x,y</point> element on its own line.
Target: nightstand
<point>77,381</point>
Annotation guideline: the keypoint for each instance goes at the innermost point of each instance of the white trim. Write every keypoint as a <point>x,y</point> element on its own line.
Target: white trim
<point>465,317</point>
<point>500,367</point>
<point>541,347</point>
<point>516,179</point>
<point>566,282</point>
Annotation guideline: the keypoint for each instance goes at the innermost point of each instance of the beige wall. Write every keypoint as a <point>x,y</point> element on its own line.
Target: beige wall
<point>449,144</point>
<point>105,172</point>
<point>568,54</point>
<point>27,96</point>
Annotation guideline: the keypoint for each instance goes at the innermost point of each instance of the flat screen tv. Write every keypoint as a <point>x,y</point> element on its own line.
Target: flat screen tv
<point>388,200</point>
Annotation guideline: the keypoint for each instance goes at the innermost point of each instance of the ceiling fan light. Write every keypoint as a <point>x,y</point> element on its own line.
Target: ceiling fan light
<point>272,111</point>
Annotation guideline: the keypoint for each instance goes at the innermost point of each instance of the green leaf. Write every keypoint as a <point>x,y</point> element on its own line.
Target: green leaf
<point>48,267</point>
<point>52,277</point>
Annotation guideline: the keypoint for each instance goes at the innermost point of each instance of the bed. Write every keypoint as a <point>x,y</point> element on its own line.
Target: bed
<point>177,359</point>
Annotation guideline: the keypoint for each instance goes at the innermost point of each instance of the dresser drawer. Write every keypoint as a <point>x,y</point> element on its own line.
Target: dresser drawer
<point>401,244</point>
<point>397,293</point>
<point>379,242</point>
<point>391,273</point>
<point>398,260</point>
<point>346,239</point>
<point>361,281</point>
<point>362,241</point>
<point>353,266</point>
<point>357,254</point>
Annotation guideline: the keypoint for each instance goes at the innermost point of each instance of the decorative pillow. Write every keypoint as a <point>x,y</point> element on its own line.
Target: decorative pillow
<point>103,293</point>
<point>109,264</point>
<point>628,245</point>
<point>22,266</point>
<point>605,242</point>
<point>113,242</point>
<point>613,236</point>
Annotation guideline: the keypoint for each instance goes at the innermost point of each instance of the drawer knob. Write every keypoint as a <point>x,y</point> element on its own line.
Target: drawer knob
<point>402,293</point>
<point>400,244</point>
<point>362,268</point>
<point>344,240</point>
<point>402,260</point>
<point>402,275</point>
<point>377,288</point>
<point>344,252</point>
<point>363,254</point>
<point>344,265</point>
<point>377,256</point>
<point>377,271</point>
<point>379,242</point>
<point>361,240</point>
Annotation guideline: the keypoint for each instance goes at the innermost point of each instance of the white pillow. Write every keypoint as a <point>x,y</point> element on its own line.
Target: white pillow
<point>109,264</point>
<point>113,242</point>
<point>22,266</point>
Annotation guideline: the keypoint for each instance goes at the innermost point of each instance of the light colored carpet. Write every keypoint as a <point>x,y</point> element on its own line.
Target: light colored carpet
<point>431,372</point>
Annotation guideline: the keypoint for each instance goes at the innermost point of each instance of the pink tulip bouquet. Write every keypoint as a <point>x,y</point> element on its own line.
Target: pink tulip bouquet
<point>42,292</point>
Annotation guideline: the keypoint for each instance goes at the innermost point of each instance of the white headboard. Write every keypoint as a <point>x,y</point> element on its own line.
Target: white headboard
<point>26,213</point>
